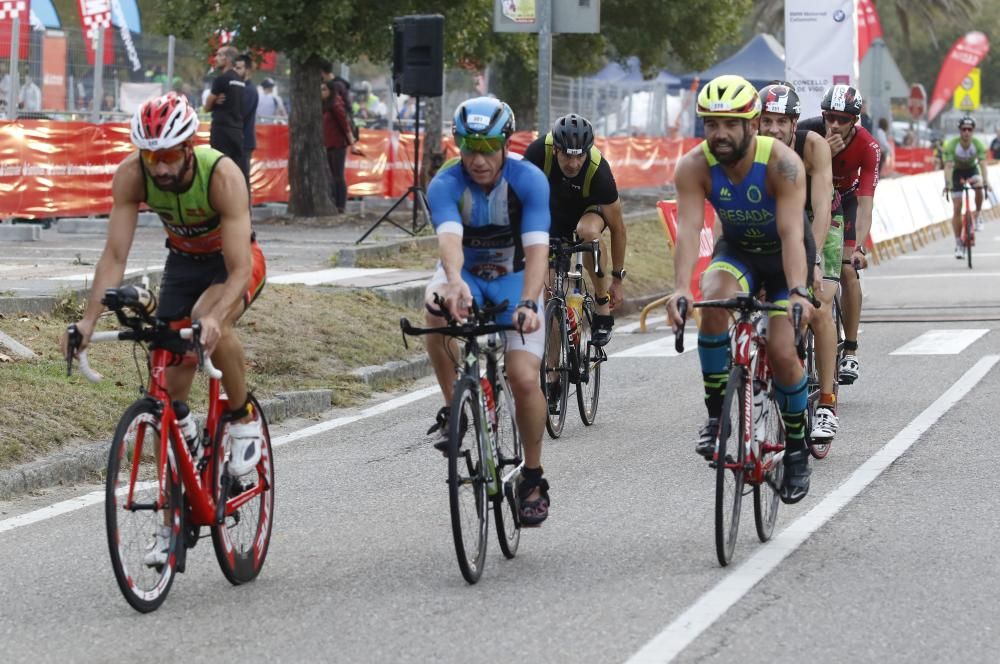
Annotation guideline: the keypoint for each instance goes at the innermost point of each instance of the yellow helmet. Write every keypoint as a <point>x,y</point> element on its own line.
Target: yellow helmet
<point>729,96</point>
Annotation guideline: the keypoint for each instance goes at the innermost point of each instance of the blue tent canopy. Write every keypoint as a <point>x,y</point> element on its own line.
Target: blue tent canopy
<point>613,72</point>
<point>760,61</point>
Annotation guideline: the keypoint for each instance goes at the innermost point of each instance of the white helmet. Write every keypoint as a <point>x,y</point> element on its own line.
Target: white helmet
<point>163,122</point>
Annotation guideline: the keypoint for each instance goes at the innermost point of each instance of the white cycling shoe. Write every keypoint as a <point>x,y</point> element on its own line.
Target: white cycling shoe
<point>849,369</point>
<point>825,424</point>
<point>959,251</point>
<point>246,447</point>
<point>157,554</point>
<point>980,224</point>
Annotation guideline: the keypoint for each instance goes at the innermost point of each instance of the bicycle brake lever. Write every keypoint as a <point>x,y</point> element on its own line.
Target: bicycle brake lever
<point>800,346</point>
<point>597,259</point>
<point>403,324</point>
<point>74,339</point>
<point>682,309</point>
<point>520,326</point>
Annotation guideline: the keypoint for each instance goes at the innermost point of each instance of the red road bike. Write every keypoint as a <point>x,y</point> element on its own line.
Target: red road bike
<point>156,481</point>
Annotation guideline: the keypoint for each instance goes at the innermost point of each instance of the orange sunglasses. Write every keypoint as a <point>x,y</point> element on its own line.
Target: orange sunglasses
<point>166,156</point>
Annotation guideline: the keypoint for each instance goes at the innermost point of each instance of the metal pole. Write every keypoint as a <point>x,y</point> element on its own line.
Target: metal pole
<point>171,44</point>
<point>15,74</point>
<point>98,93</point>
<point>544,8</point>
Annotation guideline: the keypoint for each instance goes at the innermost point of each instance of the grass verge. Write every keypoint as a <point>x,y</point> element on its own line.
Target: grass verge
<point>295,338</point>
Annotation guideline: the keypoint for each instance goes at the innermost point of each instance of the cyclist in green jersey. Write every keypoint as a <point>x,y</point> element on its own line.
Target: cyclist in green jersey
<point>962,156</point>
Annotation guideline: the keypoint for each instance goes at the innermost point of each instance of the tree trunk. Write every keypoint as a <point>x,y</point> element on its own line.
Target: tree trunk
<point>433,152</point>
<point>308,171</point>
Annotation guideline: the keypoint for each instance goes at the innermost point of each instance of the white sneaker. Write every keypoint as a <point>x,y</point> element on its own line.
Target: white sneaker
<point>979,221</point>
<point>160,549</point>
<point>825,424</point>
<point>246,447</point>
<point>959,251</point>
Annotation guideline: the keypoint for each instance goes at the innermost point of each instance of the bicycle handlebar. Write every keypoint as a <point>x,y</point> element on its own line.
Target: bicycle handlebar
<point>186,333</point>
<point>558,248</point>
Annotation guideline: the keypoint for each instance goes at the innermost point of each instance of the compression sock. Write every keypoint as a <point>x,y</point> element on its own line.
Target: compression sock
<point>792,402</point>
<point>713,350</point>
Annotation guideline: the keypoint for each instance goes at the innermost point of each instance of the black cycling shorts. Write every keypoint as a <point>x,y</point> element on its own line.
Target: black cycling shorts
<point>186,277</point>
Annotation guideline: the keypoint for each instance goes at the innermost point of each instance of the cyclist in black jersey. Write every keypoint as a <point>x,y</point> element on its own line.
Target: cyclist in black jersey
<point>584,200</point>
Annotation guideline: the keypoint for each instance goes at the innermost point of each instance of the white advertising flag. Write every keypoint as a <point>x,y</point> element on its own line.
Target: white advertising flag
<point>821,48</point>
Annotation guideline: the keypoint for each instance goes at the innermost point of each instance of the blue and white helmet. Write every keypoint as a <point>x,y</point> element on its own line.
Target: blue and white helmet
<point>483,116</point>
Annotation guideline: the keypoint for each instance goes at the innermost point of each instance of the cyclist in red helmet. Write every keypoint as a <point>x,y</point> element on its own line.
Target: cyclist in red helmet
<point>214,268</point>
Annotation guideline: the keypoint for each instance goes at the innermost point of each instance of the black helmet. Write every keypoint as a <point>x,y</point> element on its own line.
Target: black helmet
<point>967,121</point>
<point>781,99</point>
<point>842,98</point>
<point>573,134</point>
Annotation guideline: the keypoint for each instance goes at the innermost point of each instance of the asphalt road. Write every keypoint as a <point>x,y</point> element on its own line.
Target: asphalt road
<point>892,557</point>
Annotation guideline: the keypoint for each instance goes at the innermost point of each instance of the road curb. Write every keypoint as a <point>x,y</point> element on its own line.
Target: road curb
<point>46,304</point>
<point>85,461</point>
<point>348,256</point>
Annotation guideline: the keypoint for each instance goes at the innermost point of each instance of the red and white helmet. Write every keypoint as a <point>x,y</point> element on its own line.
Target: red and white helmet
<point>163,122</point>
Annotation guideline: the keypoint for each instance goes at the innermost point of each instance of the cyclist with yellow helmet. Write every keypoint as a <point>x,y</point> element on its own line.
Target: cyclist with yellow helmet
<point>758,188</point>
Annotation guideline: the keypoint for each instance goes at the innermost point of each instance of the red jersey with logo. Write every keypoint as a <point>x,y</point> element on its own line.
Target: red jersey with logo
<point>855,168</point>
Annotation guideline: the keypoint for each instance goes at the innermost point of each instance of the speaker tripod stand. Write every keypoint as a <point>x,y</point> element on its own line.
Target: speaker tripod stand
<point>418,193</point>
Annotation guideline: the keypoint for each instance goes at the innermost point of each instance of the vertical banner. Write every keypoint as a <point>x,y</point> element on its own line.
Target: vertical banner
<point>95,15</point>
<point>9,10</point>
<point>811,68</point>
<point>869,27</point>
<point>54,70</point>
<point>965,54</point>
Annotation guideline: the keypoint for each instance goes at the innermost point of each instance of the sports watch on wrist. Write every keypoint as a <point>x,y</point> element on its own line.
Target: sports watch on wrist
<point>619,274</point>
<point>801,291</point>
<point>528,304</point>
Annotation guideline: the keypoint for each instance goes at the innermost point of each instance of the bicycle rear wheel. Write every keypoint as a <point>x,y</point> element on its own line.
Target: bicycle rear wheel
<point>241,542</point>
<point>729,462</point>
<point>467,480</point>
<point>509,456</point>
<point>588,384</point>
<point>555,365</point>
<point>766,499</point>
<point>135,508</point>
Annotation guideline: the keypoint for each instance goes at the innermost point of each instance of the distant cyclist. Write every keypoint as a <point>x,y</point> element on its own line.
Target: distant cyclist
<point>584,200</point>
<point>758,188</point>
<point>779,119</point>
<point>964,158</point>
<point>492,220</point>
<point>856,156</point>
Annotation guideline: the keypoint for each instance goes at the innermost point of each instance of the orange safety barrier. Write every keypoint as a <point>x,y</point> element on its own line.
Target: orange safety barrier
<point>50,169</point>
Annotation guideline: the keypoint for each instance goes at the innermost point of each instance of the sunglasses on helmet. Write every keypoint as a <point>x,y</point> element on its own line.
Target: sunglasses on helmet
<point>165,156</point>
<point>481,144</point>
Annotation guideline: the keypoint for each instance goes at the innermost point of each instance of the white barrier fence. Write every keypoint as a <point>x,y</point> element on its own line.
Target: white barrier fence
<point>913,206</point>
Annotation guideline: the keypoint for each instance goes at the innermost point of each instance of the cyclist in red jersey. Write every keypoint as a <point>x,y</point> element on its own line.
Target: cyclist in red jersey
<point>215,268</point>
<point>856,155</point>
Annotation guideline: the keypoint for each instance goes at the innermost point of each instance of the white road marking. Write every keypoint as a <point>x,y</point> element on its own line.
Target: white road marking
<point>680,633</point>
<point>88,276</point>
<point>328,276</point>
<point>633,328</point>
<point>975,254</point>
<point>96,497</point>
<point>940,342</point>
<point>663,347</point>
<point>931,275</point>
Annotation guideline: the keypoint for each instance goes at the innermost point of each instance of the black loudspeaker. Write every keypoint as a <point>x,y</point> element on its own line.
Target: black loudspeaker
<point>418,55</point>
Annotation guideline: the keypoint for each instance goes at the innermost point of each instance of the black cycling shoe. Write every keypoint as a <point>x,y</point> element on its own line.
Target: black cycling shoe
<point>440,430</point>
<point>553,394</point>
<point>795,485</point>
<point>707,436</point>
<point>601,332</point>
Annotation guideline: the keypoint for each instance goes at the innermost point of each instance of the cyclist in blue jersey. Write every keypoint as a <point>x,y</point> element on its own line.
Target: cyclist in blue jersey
<point>492,220</point>
<point>758,188</point>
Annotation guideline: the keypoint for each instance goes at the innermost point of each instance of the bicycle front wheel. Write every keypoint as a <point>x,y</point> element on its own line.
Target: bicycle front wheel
<point>139,511</point>
<point>729,461</point>
<point>241,541</point>
<point>771,441</point>
<point>969,235</point>
<point>467,480</point>
<point>555,367</point>
<point>588,385</point>
<point>509,456</point>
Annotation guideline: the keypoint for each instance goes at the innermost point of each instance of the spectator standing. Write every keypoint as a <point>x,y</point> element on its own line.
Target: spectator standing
<point>369,111</point>
<point>31,96</point>
<point>269,104</point>
<point>882,136</point>
<point>244,68</point>
<point>337,137</point>
<point>995,146</point>
<point>225,101</point>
